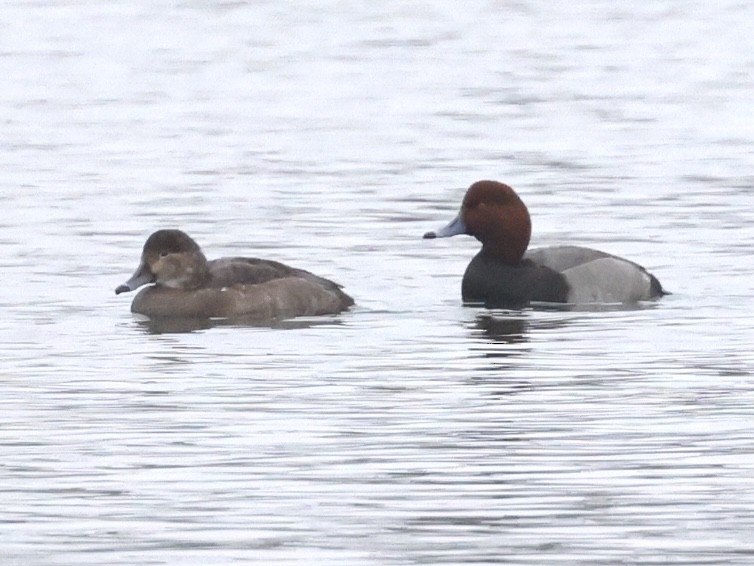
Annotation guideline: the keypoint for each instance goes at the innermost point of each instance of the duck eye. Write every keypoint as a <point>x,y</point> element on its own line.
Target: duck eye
<point>164,254</point>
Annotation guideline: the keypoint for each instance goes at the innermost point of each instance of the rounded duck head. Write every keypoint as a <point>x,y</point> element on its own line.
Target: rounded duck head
<point>494,214</point>
<point>170,258</point>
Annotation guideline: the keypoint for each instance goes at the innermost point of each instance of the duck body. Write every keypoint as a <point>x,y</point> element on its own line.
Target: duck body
<point>186,285</point>
<point>505,274</point>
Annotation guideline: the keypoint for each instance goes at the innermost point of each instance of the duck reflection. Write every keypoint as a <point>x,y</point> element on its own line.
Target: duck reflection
<point>173,325</point>
<point>506,333</point>
<point>510,328</point>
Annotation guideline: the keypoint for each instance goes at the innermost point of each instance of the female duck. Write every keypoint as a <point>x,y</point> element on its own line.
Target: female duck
<point>504,274</point>
<point>187,285</point>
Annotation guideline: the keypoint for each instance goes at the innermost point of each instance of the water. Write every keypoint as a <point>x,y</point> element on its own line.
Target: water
<point>411,430</point>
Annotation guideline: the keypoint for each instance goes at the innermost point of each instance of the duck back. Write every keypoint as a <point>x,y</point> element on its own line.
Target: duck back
<point>560,258</point>
<point>227,271</point>
<point>594,276</point>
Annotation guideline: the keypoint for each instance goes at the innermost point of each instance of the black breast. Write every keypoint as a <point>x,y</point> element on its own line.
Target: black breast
<point>496,284</point>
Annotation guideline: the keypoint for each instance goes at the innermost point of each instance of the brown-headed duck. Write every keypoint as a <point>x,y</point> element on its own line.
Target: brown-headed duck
<point>504,274</point>
<point>186,285</point>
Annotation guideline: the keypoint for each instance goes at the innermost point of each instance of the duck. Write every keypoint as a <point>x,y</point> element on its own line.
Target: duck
<point>506,274</point>
<point>183,283</point>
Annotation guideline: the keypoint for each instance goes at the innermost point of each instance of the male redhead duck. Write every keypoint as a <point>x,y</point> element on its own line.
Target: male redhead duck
<point>503,273</point>
<point>187,285</point>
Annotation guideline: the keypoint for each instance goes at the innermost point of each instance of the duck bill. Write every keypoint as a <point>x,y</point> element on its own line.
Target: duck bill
<point>143,276</point>
<point>453,228</point>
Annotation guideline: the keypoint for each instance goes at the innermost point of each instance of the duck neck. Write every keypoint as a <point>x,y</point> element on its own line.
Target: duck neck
<point>507,241</point>
<point>492,253</point>
<point>198,274</point>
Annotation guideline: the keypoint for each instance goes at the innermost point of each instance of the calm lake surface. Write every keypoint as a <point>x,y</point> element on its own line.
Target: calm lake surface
<point>412,429</point>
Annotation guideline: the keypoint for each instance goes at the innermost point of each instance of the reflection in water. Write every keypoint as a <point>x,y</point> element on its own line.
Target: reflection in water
<point>597,307</point>
<point>502,328</point>
<point>514,326</point>
<point>178,325</point>
<point>504,336</point>
<point>174,325</point>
